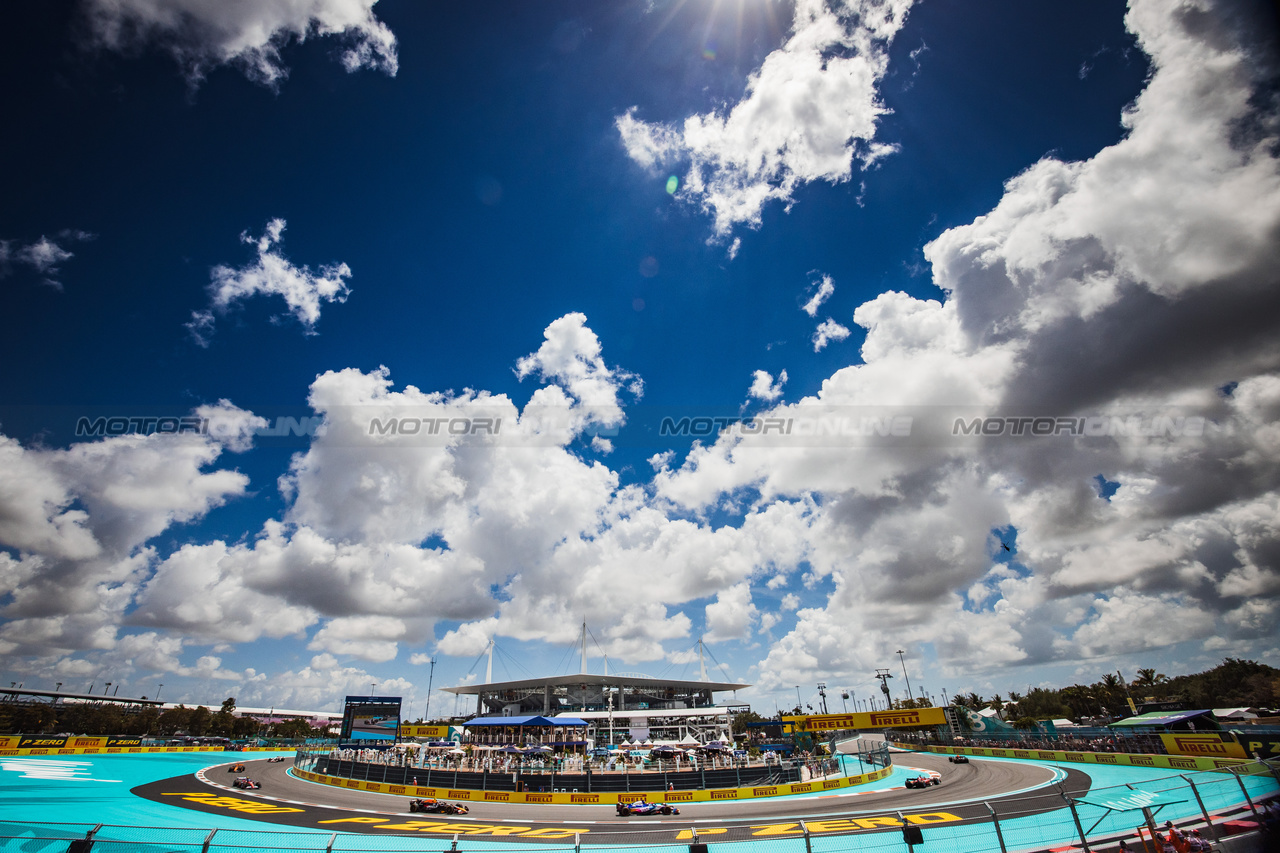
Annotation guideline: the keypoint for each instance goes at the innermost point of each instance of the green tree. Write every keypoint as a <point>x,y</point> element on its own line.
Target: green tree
<point>174,720</point>
<point>199,721</point>
<point>244,727</point>
<point>143,722</point>
<point>740,721</point>
<point>1148,678</point>
<point>293,729</point>
<point>223,722</point>
<point>26,717</point>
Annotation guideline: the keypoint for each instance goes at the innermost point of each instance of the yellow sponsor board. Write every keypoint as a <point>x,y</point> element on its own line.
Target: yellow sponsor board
<point>1207,745</point>
<point>583,798</point>
<point>469,828</point>
<point>433,732</point>
<point>1116,759</point>
<point>906,718</point>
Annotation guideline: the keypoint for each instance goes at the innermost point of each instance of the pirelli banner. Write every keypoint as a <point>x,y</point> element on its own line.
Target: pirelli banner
<point>1115,759</point>
<point>431,732</point>
<point>1207,744</point>
<point>41,745</point>
<point>911,718</point>
<point>596,799</point>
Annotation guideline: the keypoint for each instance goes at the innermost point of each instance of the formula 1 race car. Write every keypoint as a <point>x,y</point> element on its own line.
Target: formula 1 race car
<point>924,779</point>
<point>437,807</point>
<point>236,768</point>
<point>641,807</point>
<point>273,759</point>
<point>958,759</point>
<point>246,783</point>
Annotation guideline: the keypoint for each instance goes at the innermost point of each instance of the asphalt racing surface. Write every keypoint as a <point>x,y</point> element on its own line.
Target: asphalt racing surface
<point>286,800</point>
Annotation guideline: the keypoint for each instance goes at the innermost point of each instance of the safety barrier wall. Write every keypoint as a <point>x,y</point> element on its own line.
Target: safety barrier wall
<point>1116,759</point>
<point>41,745</point>
<point>591,780</point>
<point>596,798</point>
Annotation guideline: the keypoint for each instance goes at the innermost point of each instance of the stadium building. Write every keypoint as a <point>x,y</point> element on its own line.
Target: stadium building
<point>620,708</point>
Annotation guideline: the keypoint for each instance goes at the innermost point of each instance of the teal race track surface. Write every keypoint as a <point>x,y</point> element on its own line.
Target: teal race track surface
<point>96,789</point>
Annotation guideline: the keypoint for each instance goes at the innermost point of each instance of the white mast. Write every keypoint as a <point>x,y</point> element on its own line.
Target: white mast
<point>702,663</point>
<point>488,673</point>
<point>584,647</point>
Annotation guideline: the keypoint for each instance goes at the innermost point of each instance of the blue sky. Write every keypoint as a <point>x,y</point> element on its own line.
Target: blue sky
<point>580,221</point>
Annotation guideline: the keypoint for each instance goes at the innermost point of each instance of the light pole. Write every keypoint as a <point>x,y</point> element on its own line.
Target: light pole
<point>104,692</point>
<point>903,661</point>
<point>431,676</point>
<point>372,685</point>
<point>844,694</point>
<point>158,691</point>
<point>822,691</point>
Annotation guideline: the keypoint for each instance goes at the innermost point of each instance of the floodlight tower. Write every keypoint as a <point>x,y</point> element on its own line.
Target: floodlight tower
<point>884,675</point>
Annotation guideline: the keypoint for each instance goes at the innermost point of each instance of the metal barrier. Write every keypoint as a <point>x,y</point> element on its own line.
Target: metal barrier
<point>1217,803</point>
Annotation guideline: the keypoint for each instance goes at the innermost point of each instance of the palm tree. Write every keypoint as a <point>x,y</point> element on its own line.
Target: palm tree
<point>1149,678</point>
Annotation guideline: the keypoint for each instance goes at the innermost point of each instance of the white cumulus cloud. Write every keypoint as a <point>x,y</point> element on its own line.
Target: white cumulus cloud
<point>808,112</point>
<point>271,275</point>
<point>204,34</point>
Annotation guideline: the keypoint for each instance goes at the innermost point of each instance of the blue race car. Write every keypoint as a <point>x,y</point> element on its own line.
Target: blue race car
<point>641,807</point>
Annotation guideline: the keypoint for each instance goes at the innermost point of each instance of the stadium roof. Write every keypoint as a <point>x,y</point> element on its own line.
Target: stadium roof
<point>78,697</point>
<point>717,711</point>
<point>594,680</point>
<point>528,720</point>
<point>1160,718</point>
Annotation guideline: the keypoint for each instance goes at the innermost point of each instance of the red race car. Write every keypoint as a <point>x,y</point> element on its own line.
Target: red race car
<point>437,807</point>
<point>924,779</point>
<point>246,783</point>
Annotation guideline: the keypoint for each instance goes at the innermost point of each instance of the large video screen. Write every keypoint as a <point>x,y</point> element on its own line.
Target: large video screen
<point>371,718</point>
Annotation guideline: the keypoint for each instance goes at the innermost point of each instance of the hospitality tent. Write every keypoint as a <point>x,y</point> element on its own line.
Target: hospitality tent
<point>1171,721</point>
<point>535,730</point>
